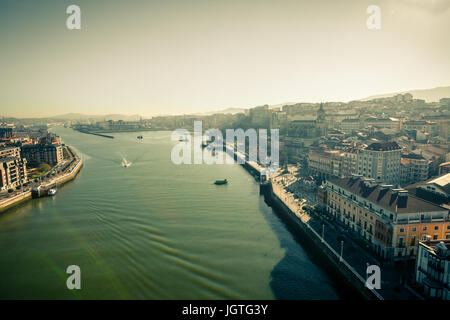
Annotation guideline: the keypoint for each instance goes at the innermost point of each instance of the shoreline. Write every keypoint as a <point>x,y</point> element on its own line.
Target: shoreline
<point>16,200</point>
<point>340,269</point>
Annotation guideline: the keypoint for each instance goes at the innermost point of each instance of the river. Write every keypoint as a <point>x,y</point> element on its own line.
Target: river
<point>154,230</point>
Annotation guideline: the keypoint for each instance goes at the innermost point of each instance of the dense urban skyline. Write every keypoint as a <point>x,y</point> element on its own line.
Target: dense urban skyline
<point>172,57</point>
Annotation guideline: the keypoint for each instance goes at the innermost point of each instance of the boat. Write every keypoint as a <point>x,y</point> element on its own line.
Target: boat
<point>224,181</point>
<point>125,163</point>
<point>52,191</point>
<point>139,137</point>
<point>184,139</point>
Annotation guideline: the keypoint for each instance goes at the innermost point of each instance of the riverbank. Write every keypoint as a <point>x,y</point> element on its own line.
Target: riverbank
<point>41,190</point>
<point>298,220</point>
<point>289,208</point>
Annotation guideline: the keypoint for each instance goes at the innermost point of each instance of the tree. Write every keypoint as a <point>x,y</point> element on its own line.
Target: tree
<point>44,167</point>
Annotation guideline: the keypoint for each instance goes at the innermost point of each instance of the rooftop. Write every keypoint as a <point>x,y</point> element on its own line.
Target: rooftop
<point>413,156</point>
<point>387,198</point>
<point>384,146</point>
<point>8,159</point>
<point>442,181</point>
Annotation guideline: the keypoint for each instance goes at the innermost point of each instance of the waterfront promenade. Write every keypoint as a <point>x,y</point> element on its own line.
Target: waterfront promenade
<point>66,172</point>
<point>332,238</point>
<point>335,239</point>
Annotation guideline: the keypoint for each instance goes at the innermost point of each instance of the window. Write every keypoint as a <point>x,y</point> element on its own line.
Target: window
<point>425,228</point>
<point>402,230</point>
<point>414,229</point>
<point>436,227</point>
<point>435,236</point>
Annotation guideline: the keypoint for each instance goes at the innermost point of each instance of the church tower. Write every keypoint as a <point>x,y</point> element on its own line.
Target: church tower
<point>320,122</point>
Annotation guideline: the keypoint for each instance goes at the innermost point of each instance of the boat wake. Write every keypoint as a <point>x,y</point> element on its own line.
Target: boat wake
<point>125,163</point>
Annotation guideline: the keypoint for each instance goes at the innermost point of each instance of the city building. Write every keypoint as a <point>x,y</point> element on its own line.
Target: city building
<point>13,172</point>
<point>380,123</point>
<point>433,268</point>
<point>421,125</point>
<point>350,125</point>
<point>435,190</point>
<point>51,154</point>
<point>380,161</point>
<point>6,132</point>
<point>413,168</point>
<point>324,163</point>
<point>390,219</point>
<point>444,168</point>
<point>9,152</point>
<point>349,162</point>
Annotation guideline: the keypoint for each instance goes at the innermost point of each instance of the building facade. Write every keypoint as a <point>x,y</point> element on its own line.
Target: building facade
<point>389,219</point>
<point>413,168</point>
<point>433,268</point>
<point>324,163</point>
<point>13,173</point>
<point>9,152</point>
<point>36,154</point>
<point>380,161</point>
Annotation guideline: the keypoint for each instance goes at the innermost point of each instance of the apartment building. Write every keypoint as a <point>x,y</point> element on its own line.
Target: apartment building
<point>389,123</point>
<point>435,190</point>
<point>380,161</point>
<point>388,218</point>
<point>421,125</point>
<point>8,151</point>
<point>413,168</point>
<point>433,268</point>
<point>13,172</point>
<point>51,154</point>
<point>324,163</point>
<point>444,168</point>
<point>349,163</point>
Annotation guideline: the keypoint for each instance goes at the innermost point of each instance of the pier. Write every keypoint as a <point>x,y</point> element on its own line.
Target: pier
<point>95,133</point>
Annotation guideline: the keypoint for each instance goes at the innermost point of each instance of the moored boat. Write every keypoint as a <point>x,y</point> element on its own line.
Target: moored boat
<point>224,181</point>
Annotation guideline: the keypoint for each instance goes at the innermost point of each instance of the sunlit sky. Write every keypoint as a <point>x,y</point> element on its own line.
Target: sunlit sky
<point>185,56</point>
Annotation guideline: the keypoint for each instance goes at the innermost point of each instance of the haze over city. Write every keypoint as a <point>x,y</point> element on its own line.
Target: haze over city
<point>246,150</point>
<point>174,57</point>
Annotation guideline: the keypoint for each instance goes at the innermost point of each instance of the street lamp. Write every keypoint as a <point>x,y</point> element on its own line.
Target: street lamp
<point>323,231</point>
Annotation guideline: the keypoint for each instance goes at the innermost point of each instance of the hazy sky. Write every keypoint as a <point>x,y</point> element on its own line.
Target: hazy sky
<point>184,56</point>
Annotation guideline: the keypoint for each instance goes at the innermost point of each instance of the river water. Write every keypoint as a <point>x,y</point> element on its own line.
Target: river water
<point>154,230</point>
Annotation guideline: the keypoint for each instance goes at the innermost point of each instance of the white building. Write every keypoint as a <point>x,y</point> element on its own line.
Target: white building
<point>380,161</point>
<point>433,268</point>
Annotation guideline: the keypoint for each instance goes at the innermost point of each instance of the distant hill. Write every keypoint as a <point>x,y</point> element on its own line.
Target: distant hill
<point>225,111</point>
<point>429,95</point>
<point>80,116</point>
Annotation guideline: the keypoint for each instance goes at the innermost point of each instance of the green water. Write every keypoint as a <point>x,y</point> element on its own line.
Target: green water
<point>153,230</point>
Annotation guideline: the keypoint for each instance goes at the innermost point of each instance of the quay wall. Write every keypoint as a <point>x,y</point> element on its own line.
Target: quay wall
<point>13,201</point>
<point>340,268</point>
<point>27,195</point>
<point>313,239</point>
